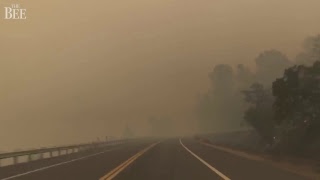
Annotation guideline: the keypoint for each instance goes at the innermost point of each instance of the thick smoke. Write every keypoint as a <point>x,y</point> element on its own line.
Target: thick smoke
<point>311,51</point>
<point>240,95</point>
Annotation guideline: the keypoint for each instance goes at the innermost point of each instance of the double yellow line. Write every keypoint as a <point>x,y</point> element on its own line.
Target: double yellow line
<point>125,164</point>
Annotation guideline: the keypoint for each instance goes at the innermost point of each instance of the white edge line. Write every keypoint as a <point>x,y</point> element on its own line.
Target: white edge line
<point>55,165</point>
<point>205,163</point>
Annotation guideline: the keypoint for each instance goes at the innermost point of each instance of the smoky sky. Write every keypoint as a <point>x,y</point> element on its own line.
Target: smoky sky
<point>78,70</point>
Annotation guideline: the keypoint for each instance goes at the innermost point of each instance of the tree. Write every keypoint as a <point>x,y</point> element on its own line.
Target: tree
<point>297,106</point>
<point>270,65</point>
<point>222,79</point>
<point>260,115</point>
<point>219,108</point>
<point>244,77</point>
<point>205,111</point>
<point>311,51</point>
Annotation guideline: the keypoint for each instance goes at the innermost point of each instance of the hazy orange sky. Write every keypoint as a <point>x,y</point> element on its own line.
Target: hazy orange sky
<point>78,70</point>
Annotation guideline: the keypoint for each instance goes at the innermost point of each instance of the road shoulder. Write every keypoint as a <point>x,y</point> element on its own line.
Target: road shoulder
<point>302,169</point>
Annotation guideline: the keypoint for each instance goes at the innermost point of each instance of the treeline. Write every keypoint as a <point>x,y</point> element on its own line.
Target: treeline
<point>280,100</point>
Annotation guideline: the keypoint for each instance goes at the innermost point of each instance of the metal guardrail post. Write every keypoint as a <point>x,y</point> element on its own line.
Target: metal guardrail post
<point>15,160</point>
<point>29,157</point>
<point>41,156</point>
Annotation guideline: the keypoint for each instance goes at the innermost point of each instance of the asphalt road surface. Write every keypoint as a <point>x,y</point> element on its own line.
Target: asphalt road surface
<point>172,159</point>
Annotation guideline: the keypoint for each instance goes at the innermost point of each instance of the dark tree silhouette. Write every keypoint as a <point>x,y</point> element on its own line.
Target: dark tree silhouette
<point>297,106</point>
<point>260,114</point>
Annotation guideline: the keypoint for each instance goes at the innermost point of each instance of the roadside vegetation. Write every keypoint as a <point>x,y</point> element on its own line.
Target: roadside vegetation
<point>280,100</point>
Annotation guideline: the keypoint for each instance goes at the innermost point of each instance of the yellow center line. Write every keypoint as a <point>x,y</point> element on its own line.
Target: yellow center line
<point>113,173</point>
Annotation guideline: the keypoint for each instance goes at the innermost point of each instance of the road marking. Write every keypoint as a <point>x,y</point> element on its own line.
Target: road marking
<point>234,152</point>
<point>55,165</point>
<point>205,163</point>
<point>113,173</point>
<point>308,173</point>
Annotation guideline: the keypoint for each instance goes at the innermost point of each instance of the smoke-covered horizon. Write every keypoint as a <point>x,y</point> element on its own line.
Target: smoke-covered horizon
<point>75,71</point>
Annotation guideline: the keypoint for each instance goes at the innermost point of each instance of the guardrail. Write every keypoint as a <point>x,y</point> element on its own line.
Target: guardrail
<point>58,151</point>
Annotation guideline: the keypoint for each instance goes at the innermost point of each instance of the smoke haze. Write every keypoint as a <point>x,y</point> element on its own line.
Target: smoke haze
<point>78,70</point>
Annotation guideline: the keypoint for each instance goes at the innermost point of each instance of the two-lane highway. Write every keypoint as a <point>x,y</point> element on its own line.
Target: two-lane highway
<point>188,159</point>
<point>172,159</point>
<point>168,160</point>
